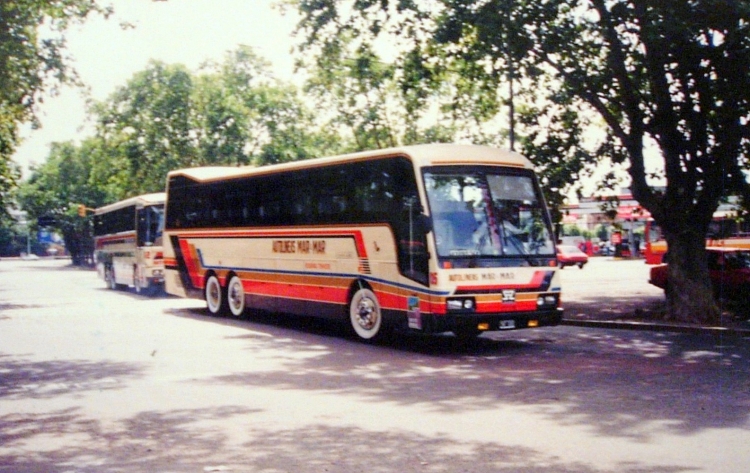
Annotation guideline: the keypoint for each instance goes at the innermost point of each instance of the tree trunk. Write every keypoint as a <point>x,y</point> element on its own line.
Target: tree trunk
<point>689,293</point>
<point>80,248</point>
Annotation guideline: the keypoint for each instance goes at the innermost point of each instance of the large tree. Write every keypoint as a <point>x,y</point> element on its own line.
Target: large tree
<point>145,126</point>
<point>673,72</point>
<point>277,124</point>
<point>32,62</point>
<point>231,112</point>
<point>59,186</point>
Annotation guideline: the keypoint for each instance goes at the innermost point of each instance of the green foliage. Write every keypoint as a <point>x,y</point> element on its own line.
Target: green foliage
<point>56,189</point>
<point>557,149</point>
<point>602,232</point>
<point>144,128</point>
<point>167,117</point>
<point>254,119</point>
<point>31,64</point>
<point>368,89</point>
<point>230,113</point>
<point>12,237</point>
<point>571,230</point>
<point>358,87</point>
<point>671,71</point>
<point>458,66</point>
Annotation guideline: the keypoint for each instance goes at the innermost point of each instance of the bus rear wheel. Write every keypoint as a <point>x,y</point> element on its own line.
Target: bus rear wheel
<point>215,300</point>
<point>365,315</point>
<point>236,296</point>
<point>137,281</point>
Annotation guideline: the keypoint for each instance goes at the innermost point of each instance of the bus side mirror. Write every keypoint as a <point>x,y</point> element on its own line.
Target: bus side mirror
<point>423,224</point>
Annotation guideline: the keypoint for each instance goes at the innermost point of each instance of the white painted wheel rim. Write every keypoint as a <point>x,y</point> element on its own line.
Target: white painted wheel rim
<point>213,295</point>
<point>364,314</point>
<point>236,296</point>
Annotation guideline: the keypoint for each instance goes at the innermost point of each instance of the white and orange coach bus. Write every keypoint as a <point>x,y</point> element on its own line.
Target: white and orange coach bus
<point>128,243</point>
<point>432,238</point>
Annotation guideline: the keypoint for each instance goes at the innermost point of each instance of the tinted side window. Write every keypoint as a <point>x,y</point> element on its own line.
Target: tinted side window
<point>117,221</point>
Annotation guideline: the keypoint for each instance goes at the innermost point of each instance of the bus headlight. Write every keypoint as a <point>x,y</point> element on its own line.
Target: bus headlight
<point>461,304</point>
<point>546,301</point>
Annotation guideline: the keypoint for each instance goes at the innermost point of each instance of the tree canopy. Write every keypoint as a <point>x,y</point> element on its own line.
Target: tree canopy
<point>32,63</point>
<point>58,186</point>
<point>166,117</point>
<point>672,72</point>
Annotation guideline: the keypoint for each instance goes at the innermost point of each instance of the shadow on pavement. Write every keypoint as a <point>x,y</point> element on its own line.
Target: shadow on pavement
<point>180,441</point>
<point>616,382</point>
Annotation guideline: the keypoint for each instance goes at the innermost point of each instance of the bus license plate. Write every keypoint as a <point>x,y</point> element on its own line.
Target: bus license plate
<point>507,324</point>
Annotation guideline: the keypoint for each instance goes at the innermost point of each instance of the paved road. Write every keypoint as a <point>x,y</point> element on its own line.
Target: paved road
<point>100,381</point>
<point>609,288</point>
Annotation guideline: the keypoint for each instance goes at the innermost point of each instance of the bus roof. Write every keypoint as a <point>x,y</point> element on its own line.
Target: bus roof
<point>145,199</point>
<point>421,155</point>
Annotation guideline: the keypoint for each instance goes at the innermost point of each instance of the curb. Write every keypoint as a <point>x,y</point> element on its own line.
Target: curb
<point>653,327</point>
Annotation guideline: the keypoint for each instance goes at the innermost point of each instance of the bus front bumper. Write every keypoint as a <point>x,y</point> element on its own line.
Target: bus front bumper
<point>490,322</point>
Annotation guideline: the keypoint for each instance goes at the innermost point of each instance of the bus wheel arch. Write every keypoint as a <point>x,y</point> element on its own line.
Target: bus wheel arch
<point>365,312</point>
<point>235,295</point>
<point>214,294</point>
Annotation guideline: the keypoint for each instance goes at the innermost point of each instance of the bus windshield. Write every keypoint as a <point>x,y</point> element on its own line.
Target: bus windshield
<point>487,212</point>
<point>150,225</point>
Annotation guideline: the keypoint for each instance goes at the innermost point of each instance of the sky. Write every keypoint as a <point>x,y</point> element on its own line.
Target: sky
<point>188,32</point>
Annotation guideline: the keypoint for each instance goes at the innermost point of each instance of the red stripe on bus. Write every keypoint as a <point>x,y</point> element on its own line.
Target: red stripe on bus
<point>190,263</point>
<point>499,307</point>
<point>101,242</point>
<point>296,291</point>
<point>336,294</point>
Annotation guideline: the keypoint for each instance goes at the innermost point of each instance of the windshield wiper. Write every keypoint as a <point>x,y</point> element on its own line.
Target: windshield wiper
<point>509,235</point>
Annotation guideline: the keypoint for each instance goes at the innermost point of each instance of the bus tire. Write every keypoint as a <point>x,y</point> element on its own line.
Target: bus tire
<point>136,283</point>
<point>111,279</point>
<point>149,290</point>
<point>215,297</point>
<point>365,315</point>
<point>235,296</point>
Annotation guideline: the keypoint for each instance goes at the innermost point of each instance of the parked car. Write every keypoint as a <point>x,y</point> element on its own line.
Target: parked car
<point>729,270</point>
<point>569,255</point>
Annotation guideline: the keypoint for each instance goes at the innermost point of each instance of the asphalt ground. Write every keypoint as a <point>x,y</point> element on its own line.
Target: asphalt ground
<point>614,293</point>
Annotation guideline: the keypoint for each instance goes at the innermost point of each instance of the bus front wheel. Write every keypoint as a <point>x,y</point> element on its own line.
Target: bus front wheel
<point>111,279</point>
<point>236,296</point>
<point>215,300</point>
<point>365,315</point>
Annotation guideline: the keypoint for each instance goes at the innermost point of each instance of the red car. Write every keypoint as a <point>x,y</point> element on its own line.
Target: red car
<point>569,255</point>
<point>729,270</point>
